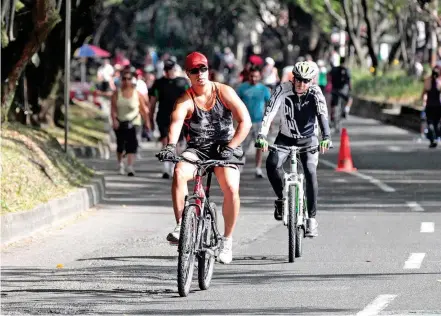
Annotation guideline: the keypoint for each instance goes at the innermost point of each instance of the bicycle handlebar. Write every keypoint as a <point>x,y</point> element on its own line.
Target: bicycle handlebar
<point>200,163</point>
<point>288,148</point>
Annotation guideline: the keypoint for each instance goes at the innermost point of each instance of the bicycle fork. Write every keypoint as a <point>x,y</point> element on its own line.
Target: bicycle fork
<point>297,182</point>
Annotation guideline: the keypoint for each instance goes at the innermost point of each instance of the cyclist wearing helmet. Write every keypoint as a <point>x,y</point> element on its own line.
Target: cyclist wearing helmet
<point>302,104</point>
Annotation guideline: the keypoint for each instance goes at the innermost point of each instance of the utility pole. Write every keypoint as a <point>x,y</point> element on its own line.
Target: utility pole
<point>67,72</point>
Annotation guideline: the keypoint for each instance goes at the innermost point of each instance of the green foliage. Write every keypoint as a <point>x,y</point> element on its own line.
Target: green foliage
<point>19,5</point>
<point>395,86</point>
<point>108,3</point>
<point>318,9</point>
<point>5,40</point>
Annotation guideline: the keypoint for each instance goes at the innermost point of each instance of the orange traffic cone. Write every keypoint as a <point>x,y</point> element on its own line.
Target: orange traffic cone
<point>344,157</point>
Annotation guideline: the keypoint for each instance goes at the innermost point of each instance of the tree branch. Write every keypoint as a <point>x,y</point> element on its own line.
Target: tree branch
<point>371,41</point>
<point>11,21</point>
<point>46,18</point>
<point>338,18</point>
<point>256,5</point>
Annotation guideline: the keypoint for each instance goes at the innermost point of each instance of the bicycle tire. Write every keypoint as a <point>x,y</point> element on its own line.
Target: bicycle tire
<point>186,257</point>
<point>206,260</point>
<point>300,233</point>
<point>338,114</point>
<point>291,223</point>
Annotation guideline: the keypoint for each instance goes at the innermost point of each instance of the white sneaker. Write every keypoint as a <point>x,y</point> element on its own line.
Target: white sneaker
<point>130,171</point>
<point>122,170</point>
<point>259,173</point>
<point>226,251</point>
<point>174,235</point>
<point>311,227</point>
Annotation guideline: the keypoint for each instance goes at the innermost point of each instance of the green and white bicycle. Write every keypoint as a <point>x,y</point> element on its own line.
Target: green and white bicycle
<point>295,211</point>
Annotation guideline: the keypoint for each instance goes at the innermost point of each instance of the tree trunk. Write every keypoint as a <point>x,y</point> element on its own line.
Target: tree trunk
<point>371,41</point>
<point>351,31</point>
<point>45,18</point>
<point>49,103</point>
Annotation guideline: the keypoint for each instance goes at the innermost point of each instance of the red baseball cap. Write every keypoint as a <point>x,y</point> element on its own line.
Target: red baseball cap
<point>194,60</point>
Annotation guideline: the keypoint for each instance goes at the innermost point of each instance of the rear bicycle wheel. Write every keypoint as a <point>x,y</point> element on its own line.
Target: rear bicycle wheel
<point>338,114</point>
<point>186,257</point>
<point>291,223</point>
<point>206,260</point>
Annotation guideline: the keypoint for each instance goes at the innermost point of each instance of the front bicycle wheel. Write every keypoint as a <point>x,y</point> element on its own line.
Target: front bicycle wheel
<point>300,227</point>
<point>187,243</point>
<point>206,260</point>
<point>291,223</point>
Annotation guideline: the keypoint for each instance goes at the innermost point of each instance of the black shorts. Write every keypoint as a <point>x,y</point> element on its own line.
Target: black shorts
<point>211,150</point>
<point>127,140</point>
<point>335,97</point>
<point>163,127</point>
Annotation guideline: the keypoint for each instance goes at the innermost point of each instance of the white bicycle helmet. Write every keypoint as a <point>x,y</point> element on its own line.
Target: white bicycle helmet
<point>305,70</point>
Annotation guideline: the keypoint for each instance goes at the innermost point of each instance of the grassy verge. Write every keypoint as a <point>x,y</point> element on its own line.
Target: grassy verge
<point>394,86</point>
<point>34,167</point>
<point>87,126</point>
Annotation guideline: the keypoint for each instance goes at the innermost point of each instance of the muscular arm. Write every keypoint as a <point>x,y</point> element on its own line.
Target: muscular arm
<point>240,114</point>
<point>144,110</point>
<point>322,114</point>
<point>152,102</point>
<point>271,110</point>
<point>182,109</point>
<point>425,89</point>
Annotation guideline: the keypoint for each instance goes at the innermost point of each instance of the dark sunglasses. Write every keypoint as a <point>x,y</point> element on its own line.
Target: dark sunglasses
<point>126,78</point>
<point>195,71</point>
<point>302,80</point>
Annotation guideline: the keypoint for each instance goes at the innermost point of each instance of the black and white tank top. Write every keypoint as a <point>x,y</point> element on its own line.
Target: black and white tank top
<point>209,125</point>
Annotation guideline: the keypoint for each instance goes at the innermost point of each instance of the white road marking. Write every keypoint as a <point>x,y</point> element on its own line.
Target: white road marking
<point>415,260</point>
<point>340,180</point>
<point>377,305</point>
<point>394,148</point>
<point>427,227</point>
<point>414,206</point>
<point>383,186</point>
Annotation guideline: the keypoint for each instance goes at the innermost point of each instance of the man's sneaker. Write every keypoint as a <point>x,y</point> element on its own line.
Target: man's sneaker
<point>130,171</point>
<point>278,209</point>
<point>433,144</point>
<point>311,227</point>
<point>226,251</point>
<point>122,171</point>
<point>259,173</point>
<point>174,235</point>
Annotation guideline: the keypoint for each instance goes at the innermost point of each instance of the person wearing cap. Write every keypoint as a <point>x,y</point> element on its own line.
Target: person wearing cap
<point>207,111</point>
<point>166,90</point>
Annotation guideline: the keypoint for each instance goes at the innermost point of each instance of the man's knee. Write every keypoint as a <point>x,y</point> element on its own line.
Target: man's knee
<point>230,183</point>
<point>183,172</point>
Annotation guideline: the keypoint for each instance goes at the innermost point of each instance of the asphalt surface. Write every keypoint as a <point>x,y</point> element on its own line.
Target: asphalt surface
<point>373,255</point>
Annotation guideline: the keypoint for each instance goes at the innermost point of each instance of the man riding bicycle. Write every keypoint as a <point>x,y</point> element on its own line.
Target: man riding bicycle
<point>302,104</point>
<point>207,111</point>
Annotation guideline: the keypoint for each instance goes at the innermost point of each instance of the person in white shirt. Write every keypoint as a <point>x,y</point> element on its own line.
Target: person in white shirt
<point>105,76</point>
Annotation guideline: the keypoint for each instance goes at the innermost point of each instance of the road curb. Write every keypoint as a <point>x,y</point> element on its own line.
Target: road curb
<point>16,226</point>
<point>102,151</point>
<point>402,116</point>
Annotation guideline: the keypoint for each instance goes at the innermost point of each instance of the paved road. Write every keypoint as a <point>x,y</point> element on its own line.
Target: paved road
<point>373,255</point>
